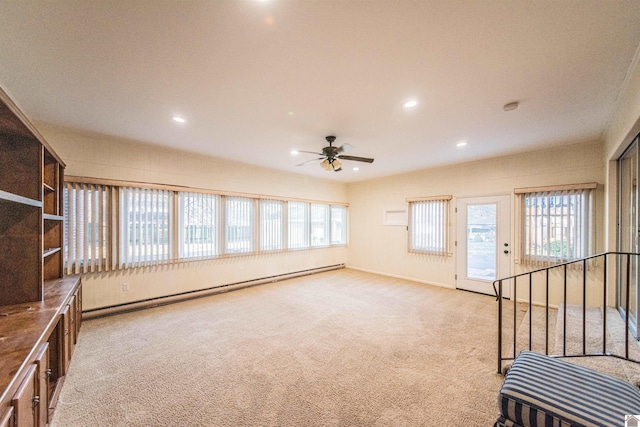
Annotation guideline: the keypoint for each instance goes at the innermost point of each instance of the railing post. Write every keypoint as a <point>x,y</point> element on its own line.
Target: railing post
<point>584,306</point>
<point>564,315</point>
<point>530,311</point>
<point>515,319</point>
<point>626,309</point>
<point>546,318</point>
<point>500,326</point>
<point>604,308</point>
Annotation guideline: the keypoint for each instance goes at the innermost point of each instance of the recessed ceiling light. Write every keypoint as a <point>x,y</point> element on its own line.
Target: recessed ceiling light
<point>461,144</point>
<point>294,152</point>
<point>356,169</point>
<point>510,106</point>
<point>178,119</point>
<point>410,104</point>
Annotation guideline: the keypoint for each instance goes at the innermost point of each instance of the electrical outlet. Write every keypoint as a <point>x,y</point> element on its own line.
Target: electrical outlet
<point>125,287</point>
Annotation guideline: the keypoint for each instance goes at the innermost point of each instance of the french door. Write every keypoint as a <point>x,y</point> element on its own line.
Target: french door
<point>628,232</point>
<point>483,245</point>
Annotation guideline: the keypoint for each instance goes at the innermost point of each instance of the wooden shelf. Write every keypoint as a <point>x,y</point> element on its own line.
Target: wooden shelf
<point>10,197</point>
<point>49,252</point>
<point>52,217</point>
<point>38,307</point>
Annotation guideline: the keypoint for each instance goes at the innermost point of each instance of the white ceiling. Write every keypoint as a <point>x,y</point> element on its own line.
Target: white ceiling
<point>256,79</point>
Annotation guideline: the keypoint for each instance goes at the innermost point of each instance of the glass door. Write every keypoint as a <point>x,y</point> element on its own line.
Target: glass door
<point>483,250</point>
<point>628,232</point>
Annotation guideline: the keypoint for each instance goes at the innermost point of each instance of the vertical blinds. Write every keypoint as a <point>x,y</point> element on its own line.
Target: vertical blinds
<point>555,226</point>
<point>271,225</point>
<point>429,226</point>
<point>112,227</point>
<point>239,219</point>
<point>338,225</point>
<point>298,225</point>
<point>198,224</point>
<point>320,224</point>
<point>145,227</point>
<point>89,237</point>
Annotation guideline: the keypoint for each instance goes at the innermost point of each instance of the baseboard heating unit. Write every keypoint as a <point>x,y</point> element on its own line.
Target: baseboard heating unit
<point>170,299</point>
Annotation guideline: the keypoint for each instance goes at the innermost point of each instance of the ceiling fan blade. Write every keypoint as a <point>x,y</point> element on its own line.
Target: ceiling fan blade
<point>356,159</point>
<point>344,148</point>
<point>310,152</point>
<point>312,160</point>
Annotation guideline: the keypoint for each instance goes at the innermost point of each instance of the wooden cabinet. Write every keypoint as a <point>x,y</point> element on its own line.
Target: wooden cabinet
<point>38,340</point>
<point>26,400</point>
<point>42,385</point>
<point>40,310</point>
<point>6,420</point>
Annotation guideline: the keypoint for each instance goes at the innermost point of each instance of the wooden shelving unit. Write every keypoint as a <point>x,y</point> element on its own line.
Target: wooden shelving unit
<point>40,309</point>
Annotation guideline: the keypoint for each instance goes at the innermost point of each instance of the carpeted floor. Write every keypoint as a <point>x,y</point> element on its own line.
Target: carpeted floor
<point>342,348</point>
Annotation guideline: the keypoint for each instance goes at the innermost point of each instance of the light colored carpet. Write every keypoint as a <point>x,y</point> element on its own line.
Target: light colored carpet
<point>342,348</point>
<point>627,371</point>
<point>541,342</point>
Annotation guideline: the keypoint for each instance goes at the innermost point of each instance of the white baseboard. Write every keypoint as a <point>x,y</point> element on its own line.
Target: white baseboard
<point>169,299</point>
<point>396,276</point>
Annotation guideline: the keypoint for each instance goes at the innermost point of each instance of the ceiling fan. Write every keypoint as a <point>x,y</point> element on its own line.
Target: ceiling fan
<point>331,156</point>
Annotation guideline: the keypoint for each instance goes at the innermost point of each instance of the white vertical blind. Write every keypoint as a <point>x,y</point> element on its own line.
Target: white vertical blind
<point>145,226</point>
<point>298,225</point>
<point>112,227</point>
<point>198,221</point>
<point>320,231</point>
<point>271,225</point>
<point>338,225</point>
<point>429,226</point>
<point>555,226</point>
<point>239,225</point>
<point>88,225</point>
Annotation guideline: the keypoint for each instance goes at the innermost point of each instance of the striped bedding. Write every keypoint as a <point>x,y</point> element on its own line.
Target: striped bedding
<point>542,391</point>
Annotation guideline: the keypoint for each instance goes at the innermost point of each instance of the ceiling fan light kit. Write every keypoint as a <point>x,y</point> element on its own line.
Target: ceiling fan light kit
<point>331,154</point>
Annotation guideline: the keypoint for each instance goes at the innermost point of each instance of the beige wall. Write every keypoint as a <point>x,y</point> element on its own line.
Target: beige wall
<point>102,156</point>
<point>383,249</point>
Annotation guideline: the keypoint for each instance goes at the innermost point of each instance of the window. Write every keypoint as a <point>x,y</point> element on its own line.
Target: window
<point>271,225</point>
<point>111,226</point>
<point>87,214</point>
<point>146,226</point>
<point>555,224</point>
<point>298,225</point>
<point>320,231</point>
<point>429,225</point>
<point>198,225</point>
<point>338,225</point>
<point>239,222</point>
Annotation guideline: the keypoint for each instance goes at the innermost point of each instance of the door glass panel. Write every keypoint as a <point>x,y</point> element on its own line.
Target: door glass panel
<point>628,238</point>
<point>481,242</point>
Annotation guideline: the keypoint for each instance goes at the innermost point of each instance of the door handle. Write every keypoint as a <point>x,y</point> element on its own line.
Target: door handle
<point>506,251</point>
